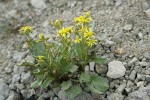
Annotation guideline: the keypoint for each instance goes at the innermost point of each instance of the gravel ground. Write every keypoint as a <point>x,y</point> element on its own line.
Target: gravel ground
<point>123,26</point>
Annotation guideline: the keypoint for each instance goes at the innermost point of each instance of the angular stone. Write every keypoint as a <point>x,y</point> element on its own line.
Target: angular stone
<point>131,62</point>
<point>115,96</point>
<point>142,94</point>
<point>26,78</point>
<point>4,89</point>
<point>121,88</point>
<point>92,65</point>
<point>132,75</point>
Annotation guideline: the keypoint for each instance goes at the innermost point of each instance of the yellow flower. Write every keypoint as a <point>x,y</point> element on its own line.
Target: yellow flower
<point>88,34</point>
<point>41,36</point>
<point>57,23</point>
<point>40,57</point>
<point>26,30</point>
<point>64,31</point>
<point>83,19</point>
<point>91,42</point>
<point>77,40</point>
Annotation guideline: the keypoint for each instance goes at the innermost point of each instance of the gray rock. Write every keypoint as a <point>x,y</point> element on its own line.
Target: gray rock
<point>17,56</point>
<point>16,78</point>
<point>147,12</point>
<point>144,63</point>
<point>141,77</point>
<point>140,84</point>
<point>132,75</point>
<point>130,84</point>
<point>138,69</point>
<point>55,98</point>
<point>30,59</point>
<point>121,88</point>
<point>61,95</point>
<point>26,78</point>
<point>109,2</point>
<point>8,70</point>
<point>147,78</point>
<point>128,90</point>
<point>18,69</point>
<point>115,96</point>
<point>13,96</point>
<point>142,94</point>
<point>145,5</point>
<point>4,89</point>
<point>24,93</point>
<point>116,69</point>
<point>12,86</point>
<point>147,71</point>
<point>20,86</point>
<point>2,97</point>
<point>84,96</point>
<point>56,90</point>
<point>100,69</point>
<point>146,55</point>
<point>108,43</point>
<point>92,65</point>
<point>38,4</point>
<point>128,27</point>
<point>119,2</point>
<point>87,69</point>
<point>131,62</point>
<point>140,35</point>
<point>41,98</point>
<point>30,93</point>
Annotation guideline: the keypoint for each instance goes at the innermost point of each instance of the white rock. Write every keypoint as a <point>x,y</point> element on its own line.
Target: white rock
<point>147,12</point>
<point>92,65</point>
<point>139,84</point>
<point>116,69</point>
<point>39,4</point>
<point>119,2</point>
<point>128,27</point>
<point>86,68</point>
<point>8,70</point>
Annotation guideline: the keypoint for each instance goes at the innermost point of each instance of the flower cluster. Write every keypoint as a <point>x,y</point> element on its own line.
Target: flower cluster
<point>84,33</point>
<point>26,30</point>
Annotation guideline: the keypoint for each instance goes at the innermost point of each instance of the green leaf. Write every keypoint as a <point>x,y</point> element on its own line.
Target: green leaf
<point>100,60</point>
<point>27,64</point>
<point>37,83</point>
<point>73,92</point>
<point>98,84</point>
<point>46,82</point>
<point>73,69</point>
<point>84,77</point>
<point>66,85</point>
<point>38,49</point>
